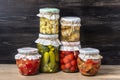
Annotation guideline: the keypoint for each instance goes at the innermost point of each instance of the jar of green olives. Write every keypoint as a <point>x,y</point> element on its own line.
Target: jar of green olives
<point>48,46</point>
<point>49,20</point>
<point>70,29</point>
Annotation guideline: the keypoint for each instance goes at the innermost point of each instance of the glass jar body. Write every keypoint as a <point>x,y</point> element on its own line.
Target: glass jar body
<point>48,26</point>
<point>89,67</point>
<point>28,64</point>
<point>70,33</point>
<point>68,61</point>
<point>50,58</point>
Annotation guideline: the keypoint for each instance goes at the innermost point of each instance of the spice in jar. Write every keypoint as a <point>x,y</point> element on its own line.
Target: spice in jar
<point>28,60</point>
<point>49,20</point>
<point>70,29</point>
<point>89,61</point>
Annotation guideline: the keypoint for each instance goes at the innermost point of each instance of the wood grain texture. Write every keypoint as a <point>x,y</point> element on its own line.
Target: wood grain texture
<point>19,25</point>
<point>105,73</point>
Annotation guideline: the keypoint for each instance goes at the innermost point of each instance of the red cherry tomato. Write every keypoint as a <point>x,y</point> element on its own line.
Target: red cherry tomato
<point>65,59</point>
<point>74,63</point>
<point>67,66</point>
<point>62,67</point>
<point>70,56</point>
<point>72,69</point>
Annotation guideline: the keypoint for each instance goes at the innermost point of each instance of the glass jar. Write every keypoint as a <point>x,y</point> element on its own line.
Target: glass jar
<point>89,61</point>
<point>28,60</point>
<point>49,20</point>
<point>48,46</point>
<point>70,29</point>
<point>68,57</point>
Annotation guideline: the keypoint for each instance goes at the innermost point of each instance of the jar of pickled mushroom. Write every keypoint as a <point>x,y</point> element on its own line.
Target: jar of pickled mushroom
<point>68,56</point>
<point>89,61</point>
<point>70,29</point>
<point>48,46</point>
<point>49,20</point>
<point>28,60</point>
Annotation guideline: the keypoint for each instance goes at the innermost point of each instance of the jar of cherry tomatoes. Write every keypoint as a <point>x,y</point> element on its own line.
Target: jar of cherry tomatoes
<point>68,56</point>
<point>28,60</point>
<point>89,61</point>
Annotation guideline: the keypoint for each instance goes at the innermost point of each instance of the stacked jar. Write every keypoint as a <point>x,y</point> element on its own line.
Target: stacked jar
<point>48,42</point>
<point>70,39</point>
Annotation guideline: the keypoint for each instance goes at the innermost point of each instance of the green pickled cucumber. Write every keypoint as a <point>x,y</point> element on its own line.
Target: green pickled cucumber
<point>56,54</point>
<point>56,57</point>
<point>46,57</point>
<point>52,59</point>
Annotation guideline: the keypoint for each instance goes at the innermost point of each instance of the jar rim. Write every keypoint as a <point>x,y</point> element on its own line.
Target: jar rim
<point>27,50</point>
<point>49,10</point>
<point>48,36</point>
<point>71,19</point>
<point>89,51</point>
<point>66,43</point>
<point>70,48</point>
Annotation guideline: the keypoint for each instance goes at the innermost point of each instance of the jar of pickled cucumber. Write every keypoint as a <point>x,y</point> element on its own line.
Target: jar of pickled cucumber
<point>48,46</point>
<point>28,60</point>
<point>49,20</point>
<point>89,61</point>
<point>68,56</point>
<point>70,29</point>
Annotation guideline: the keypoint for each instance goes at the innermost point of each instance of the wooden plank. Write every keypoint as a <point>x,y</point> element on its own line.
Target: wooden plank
<point>106,72</point>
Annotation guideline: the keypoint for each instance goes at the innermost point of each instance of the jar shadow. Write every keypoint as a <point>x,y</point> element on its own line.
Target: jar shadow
<point>107,70</point>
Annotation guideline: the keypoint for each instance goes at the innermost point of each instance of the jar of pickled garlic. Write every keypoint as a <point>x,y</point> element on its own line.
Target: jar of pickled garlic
<point>28,60</point>
<point>89,61</point>
<point>48,46</point>
<point>68,56</point>
<point>49,20</point>
<point>70,29</point>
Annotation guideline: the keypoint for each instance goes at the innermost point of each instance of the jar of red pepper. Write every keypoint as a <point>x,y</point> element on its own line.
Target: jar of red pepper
<point>28,60</point>
<point>68,56</point>
<point>89,61</point>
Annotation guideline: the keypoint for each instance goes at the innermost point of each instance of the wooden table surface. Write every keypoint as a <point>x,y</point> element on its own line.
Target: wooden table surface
<point>107,72</point>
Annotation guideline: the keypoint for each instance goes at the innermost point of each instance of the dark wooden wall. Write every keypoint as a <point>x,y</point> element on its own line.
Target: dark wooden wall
<point>19,25</point>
